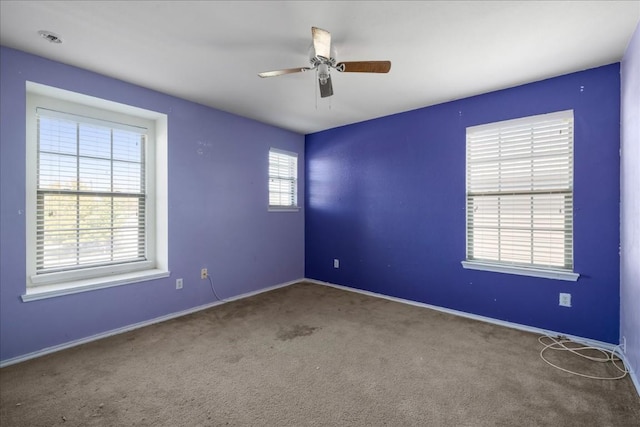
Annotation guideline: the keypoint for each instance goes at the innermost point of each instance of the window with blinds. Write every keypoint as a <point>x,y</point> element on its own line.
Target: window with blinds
<point>91,199</point>
<point>520,192</point>
<point>283,179</point>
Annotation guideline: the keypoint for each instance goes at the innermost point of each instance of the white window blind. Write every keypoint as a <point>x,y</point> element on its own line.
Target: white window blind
<point>520,192</point>
<point>283,179</point>
<point>90,193</point>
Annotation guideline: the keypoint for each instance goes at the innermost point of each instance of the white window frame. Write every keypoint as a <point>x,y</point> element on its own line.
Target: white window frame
<point>53,284</point>
<point>519,268</point>
<point>293,179</point>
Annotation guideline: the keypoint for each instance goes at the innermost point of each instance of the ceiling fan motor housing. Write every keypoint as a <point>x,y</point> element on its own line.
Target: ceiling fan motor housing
<point>322,64</point>
<point>316,60</point>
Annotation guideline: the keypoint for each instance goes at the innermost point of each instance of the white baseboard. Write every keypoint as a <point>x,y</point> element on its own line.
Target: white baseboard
<point>138,325</point>
<point>540,331</point>
<point>128,328</point>
<point>511,325</point>
<point>632,373</point>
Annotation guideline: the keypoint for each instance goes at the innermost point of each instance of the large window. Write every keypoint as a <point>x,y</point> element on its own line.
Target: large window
<point>92,212</point>
<point>283,180</point>
<point>91,193</point>
<point>520,196</point>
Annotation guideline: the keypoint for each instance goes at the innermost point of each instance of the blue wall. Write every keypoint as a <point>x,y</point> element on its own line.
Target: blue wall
<point>217,208</point>
<point>387,198</point>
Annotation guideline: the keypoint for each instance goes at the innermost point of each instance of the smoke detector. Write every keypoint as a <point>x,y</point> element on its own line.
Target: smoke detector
<point>50,37</point>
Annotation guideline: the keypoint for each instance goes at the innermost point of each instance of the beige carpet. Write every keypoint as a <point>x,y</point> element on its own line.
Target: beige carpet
<point>309,355</point>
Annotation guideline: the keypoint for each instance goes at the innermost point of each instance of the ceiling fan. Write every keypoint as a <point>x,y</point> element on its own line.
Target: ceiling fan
<point>322,59</point>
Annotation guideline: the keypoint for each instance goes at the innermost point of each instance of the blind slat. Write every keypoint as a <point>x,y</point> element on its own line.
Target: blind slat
<point>283,178</point>
<point>520,191</point>
<point>90,193</point>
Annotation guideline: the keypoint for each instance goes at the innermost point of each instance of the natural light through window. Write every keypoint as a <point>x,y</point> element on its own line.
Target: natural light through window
<point>96,193</point>
<point>520,196</point>
<point>283,180</point>
<point>91,193</point>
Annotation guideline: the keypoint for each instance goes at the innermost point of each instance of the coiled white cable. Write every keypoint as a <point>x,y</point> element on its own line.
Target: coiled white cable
<point>560,344</point>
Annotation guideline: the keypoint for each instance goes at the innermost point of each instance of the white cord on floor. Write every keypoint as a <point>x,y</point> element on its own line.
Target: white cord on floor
<point>560,344</point>
<point>213,289</point>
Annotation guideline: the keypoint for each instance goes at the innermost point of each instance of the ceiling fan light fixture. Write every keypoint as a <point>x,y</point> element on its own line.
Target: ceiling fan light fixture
<point>323,73</point>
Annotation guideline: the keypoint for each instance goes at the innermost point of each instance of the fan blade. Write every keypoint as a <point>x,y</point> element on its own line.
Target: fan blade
<point>364,67</point>
<point>282,72</point>
<point>326,89</point>
<point>321,42</point>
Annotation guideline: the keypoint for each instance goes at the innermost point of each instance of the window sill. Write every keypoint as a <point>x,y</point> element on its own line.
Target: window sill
<point>68,288</point>
<point>284,209</point>
<point>522,271</point>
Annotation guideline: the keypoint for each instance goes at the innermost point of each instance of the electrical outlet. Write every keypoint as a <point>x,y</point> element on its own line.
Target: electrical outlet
<point>203,273</point>
<point>178,283</point>
<point>565,300</point>
<point>623,344</point>
<point>336,263</point>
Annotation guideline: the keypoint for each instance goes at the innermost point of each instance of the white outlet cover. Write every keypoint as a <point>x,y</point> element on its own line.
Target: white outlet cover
<point>565,300</point>
<point>178,283</point>
<point>336,263</point>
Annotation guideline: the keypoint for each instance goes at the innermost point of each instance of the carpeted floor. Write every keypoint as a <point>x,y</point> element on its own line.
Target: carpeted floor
<point>310,355</point>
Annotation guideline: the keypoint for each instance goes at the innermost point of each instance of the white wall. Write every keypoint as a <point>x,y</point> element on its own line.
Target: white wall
<point>630,206</point>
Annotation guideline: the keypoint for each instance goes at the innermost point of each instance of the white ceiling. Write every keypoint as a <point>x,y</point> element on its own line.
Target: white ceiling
<point>211,51</point>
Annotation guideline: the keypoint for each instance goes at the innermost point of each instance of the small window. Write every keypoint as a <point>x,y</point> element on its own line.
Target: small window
<point>283,180</point>
<point>520,196</point>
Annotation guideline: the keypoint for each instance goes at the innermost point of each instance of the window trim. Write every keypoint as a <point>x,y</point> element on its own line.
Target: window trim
<point>52,284</point>
<point>92,284</point>
<point>283,208</point>
<point>510,267</point>
<point>546,273</point>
